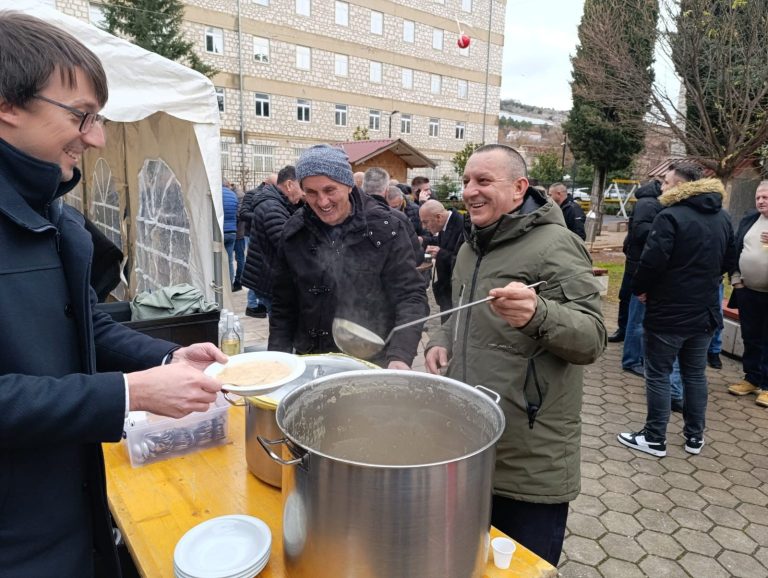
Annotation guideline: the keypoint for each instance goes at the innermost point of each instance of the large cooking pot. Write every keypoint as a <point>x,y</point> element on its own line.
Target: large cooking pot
<point>390,476</point>
<point>260,411</point>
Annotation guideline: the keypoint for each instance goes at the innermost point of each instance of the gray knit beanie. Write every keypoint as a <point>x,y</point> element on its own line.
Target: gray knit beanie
<point>325,160</point>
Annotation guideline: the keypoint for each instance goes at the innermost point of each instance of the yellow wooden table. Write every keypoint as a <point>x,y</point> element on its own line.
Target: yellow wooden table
<point>154,505</point>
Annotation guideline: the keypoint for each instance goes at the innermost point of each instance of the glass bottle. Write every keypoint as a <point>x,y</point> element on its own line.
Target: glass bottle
<point>222,324</point>
<point>230,341</point>
<point>240,333</point>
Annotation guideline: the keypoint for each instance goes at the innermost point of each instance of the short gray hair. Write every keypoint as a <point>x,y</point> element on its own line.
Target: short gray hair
<point>375,181</point>
<point>394,192</point>
<point>517,166</point>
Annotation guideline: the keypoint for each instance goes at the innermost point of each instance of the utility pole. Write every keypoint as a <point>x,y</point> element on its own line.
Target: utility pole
<point>391,114</point>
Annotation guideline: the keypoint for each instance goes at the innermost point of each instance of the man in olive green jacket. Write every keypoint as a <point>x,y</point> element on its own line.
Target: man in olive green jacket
<point>528,347</point>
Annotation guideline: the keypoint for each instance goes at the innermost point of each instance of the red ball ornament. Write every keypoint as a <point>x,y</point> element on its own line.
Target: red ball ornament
<point>463,41</point>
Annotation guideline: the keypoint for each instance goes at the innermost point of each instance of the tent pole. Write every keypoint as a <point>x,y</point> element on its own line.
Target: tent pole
<point>218,287</point>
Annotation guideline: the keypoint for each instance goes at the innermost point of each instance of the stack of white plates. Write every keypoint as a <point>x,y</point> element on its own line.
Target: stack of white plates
<point>223,547</point>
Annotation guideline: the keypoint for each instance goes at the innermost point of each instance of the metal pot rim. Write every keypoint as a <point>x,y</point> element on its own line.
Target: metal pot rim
<point>400,373</point>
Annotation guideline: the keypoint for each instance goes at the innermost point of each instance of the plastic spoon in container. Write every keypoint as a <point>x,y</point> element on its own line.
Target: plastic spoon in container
<point>357,341</point>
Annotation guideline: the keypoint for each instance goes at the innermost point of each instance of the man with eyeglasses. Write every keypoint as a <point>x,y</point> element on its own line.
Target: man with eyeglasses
<point>68,374</point>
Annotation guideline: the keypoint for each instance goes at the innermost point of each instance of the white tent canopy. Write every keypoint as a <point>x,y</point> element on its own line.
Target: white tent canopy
<point>155,189</point>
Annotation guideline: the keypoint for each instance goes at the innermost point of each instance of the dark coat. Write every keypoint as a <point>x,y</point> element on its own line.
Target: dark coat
<point>646,208</point>
<point>362,270</point>
<point>418,250</point>
<point>689,248</point>
<point>574,216</point>
<point>449,242</point>
<point>271,209</point>
<point>412,212</point>
<point>245,211</point>
<point>56,408</point>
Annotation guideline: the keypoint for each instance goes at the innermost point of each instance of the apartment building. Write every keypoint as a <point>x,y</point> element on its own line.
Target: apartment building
<point>294,73</point>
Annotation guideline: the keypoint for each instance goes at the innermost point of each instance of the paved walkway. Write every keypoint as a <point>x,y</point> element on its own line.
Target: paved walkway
<point>701,516</point>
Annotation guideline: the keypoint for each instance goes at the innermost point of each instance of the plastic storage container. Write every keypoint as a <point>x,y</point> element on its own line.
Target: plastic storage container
<point>151,438</point>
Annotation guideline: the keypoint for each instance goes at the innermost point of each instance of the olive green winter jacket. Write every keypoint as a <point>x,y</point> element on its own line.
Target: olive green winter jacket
<point>539,364</point>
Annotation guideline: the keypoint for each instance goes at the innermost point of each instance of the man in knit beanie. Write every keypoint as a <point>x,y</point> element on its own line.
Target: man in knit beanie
<point>343,255</point>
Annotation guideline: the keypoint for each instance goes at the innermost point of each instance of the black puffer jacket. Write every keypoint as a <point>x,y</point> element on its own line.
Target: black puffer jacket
<point>418,251</point>
<point>271,209</point>
<point>689,248</point>
<point>362,270</point>
<point>646,209</point>
<point>412,212</point>
<point>245,211</point>
<point>574,216</point>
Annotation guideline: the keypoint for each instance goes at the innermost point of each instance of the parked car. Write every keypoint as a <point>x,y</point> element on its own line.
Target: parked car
<point>581,194</point>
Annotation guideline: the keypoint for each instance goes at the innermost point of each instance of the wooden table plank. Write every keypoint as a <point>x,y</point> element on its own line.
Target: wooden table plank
<point>154,505</point>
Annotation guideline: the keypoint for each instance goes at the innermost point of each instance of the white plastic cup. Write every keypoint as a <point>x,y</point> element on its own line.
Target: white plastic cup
<point>503,550</point>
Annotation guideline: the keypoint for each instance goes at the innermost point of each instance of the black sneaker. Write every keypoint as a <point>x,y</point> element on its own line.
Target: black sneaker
<point>693,444</point>
<point>259,311</point>
<point>236,287</point>
<point>713,360</point>
<point>638,441</point>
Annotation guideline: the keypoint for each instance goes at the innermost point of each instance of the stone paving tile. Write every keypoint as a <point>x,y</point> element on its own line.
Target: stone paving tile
<point>701,516</point>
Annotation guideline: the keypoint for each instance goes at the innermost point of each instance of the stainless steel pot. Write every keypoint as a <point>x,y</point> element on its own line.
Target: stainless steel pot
<point>260,411</point>
<point>391,476</point>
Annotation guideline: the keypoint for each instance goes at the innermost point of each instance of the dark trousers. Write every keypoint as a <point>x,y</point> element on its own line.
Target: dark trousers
<point>690,349</point>
<point>240,258</point>
<point>538,527</point>
<point>625,293</point>
<point>753,316</point>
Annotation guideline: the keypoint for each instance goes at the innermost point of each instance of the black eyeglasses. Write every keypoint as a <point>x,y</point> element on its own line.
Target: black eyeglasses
<point>86,118</point>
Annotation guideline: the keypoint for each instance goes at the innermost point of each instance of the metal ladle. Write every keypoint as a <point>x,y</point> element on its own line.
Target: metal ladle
<point>357,341</point>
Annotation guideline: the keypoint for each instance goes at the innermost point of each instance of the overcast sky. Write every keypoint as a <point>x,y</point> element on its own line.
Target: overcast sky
<point>539,39</point>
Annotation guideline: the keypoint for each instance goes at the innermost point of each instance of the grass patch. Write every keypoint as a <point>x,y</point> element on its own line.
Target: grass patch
<point>615,274</point>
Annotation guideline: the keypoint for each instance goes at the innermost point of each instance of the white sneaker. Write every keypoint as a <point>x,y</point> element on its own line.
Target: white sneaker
<point>639,441</point>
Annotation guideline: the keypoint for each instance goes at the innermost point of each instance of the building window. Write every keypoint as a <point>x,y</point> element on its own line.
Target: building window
<point>261,2</point>
<point>460,130</point>
<point>220,98</point>
<point>466,5</point>
<point>303,58</point>
<point>435,83</point>
<point>462,89</point>
<point>375,72</point>
<point>262,105</point>
<point>261,49</point>
<point>464,52</point>
<point>437,39</point>
<point>340,64</point>
<point>374,120</point>
<point>302,110</point>
<point>303,7</point>
<point>407,78</point>
<point>409,31</point>
<point>214,40</point>
<point>377,23</point>
<point>341,115</point>
<point>434,127</point>
<point>95,14</point>
<point>263,161</point>
<point>342,13</point>
<point>405,123</point>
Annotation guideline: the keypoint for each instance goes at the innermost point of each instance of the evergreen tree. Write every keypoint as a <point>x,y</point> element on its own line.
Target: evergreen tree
<point>546,168</point>
<point>460,159</point>
<point>604,133</point>
<point>155,25</point>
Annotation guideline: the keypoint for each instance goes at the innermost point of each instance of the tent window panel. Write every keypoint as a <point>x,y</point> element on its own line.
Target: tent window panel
<point>163,246</point>
<point>214,40</point>
<point>262,105</point>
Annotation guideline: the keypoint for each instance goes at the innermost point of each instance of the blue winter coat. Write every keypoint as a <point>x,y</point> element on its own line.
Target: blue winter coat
<point>56,408</point>
<point>230,202</point>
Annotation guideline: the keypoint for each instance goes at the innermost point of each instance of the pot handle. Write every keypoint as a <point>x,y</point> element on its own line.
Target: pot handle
<point>226,393</point>
<point>266,443</point>
<point>490,393</point>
